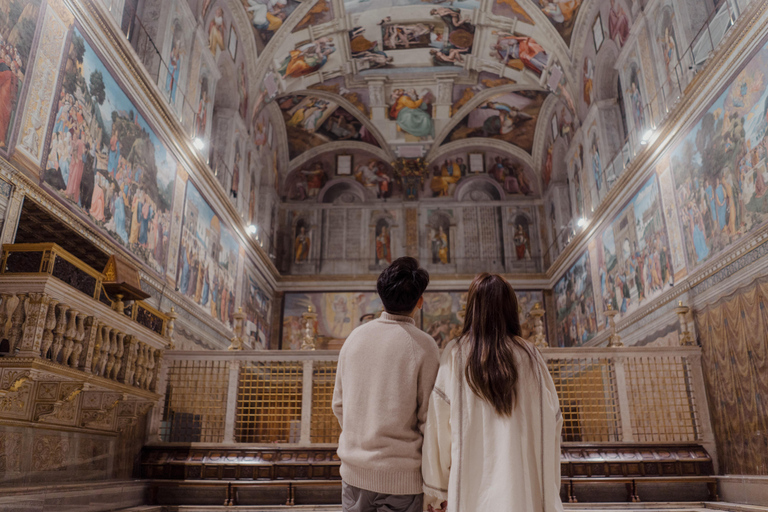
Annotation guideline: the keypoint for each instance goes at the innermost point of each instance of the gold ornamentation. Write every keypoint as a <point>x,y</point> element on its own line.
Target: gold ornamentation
<point>17,386</point>
<point>686,338</point>
<point>101,417</point>
<point>64,409</point>
<point>614,340</point>
<point>538,338</point>
<point>411,173</point>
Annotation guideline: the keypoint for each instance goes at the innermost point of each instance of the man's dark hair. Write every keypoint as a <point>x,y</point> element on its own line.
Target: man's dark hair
<point>401,284</point>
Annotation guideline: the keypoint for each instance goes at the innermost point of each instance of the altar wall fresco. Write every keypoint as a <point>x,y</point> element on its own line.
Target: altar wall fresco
<point>339,313</point>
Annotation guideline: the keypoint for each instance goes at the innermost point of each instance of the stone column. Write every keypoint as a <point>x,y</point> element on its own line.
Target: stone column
<point>625,416</point>
<point>12,214</point>
<point>34,325</point>
<point>58,331</point>
<point>130,367</point>
<point>18,318</point>
<point>89,344</point>
<point>539,339</point>
<point>79,337</point>
<point>377,98</point>
<point>306,403</point>
<point>50,325</point>
<point>69,336</point>
<point>231,410</point>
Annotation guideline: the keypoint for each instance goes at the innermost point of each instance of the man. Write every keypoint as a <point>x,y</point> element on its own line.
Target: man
<point>382,408</point>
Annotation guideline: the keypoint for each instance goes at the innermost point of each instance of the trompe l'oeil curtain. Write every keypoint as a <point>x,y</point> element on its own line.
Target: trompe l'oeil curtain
<point>734,336</point>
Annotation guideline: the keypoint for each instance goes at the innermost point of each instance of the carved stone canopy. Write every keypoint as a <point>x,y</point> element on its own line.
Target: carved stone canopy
<point>122,278</point>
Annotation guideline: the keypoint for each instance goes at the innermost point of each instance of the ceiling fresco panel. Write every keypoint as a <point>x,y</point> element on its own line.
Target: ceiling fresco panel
<point>510,117</point>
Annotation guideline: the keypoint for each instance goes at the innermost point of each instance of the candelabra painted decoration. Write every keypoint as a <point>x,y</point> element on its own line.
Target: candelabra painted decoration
<point>410,173</point>
<point>614,340</point>
<point>538,337</point>
<point>686,339</point>
<point>237,339</point>
<point>309,320</point>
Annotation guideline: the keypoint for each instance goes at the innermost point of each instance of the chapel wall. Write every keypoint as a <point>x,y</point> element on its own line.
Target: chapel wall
<point>99,136</point>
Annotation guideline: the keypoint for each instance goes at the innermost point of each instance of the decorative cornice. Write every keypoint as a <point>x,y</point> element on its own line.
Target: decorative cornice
<point>330,147</point>
<point>477,143</point>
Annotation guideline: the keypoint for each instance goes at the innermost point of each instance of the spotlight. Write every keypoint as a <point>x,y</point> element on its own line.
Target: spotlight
<point>646,137</point>
<point>251,230</point>
<point>581,222</point>
<point>198,143</point>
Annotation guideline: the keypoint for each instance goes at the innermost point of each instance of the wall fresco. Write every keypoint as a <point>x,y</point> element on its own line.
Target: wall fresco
<point>208,259</point>
<point>105,159</point>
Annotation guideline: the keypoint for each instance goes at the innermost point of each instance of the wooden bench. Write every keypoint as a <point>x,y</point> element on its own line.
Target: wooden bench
<point>191,475</point>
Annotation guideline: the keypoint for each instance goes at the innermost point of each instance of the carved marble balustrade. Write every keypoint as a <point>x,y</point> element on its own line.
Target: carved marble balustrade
<point>72,358</point>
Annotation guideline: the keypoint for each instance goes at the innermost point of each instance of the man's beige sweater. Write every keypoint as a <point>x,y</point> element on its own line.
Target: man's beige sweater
<point>384,378</point>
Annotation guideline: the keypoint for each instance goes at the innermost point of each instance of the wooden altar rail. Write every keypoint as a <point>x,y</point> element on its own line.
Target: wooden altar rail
<point>637,396</point>
<point>50,259</point>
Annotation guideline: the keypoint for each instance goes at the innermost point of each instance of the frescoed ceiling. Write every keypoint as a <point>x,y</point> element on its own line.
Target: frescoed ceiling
<point>408,77</point>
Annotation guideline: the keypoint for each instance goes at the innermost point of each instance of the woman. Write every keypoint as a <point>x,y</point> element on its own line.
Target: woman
<point>492,436</point>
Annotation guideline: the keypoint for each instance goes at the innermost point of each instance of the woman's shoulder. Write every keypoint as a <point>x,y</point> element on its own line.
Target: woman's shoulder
<point>449,354</point>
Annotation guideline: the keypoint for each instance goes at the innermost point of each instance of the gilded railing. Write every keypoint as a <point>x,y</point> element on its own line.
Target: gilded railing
<point>50,259</point>
<point>607,395</point>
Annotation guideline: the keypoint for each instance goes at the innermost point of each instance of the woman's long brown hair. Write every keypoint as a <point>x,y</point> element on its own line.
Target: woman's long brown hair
<point>491,328</point>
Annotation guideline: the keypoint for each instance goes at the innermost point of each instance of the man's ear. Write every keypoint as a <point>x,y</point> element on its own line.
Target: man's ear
<point>420,303</point>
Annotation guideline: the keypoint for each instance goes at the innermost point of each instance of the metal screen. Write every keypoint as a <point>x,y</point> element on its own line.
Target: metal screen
<point>195,402</point>
<point>325,426</point>
<point>661,399</point>
<point>269,402</point>
<point>588,399</point>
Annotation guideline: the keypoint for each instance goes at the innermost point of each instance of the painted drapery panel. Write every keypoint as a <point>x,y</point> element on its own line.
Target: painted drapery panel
<point>207,259</point>
<point>107,161</point>
<point>18,23</point>
<point>733,334</point>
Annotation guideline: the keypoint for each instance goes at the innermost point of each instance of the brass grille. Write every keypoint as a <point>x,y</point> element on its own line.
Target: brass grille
<point>269,402</point>
<point>588,399</point>
<point>661,399</point>
<point>325,426</point>
<point>195,402</point>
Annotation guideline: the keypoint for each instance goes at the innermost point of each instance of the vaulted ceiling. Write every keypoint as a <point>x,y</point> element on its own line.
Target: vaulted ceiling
<point>412,78</point>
